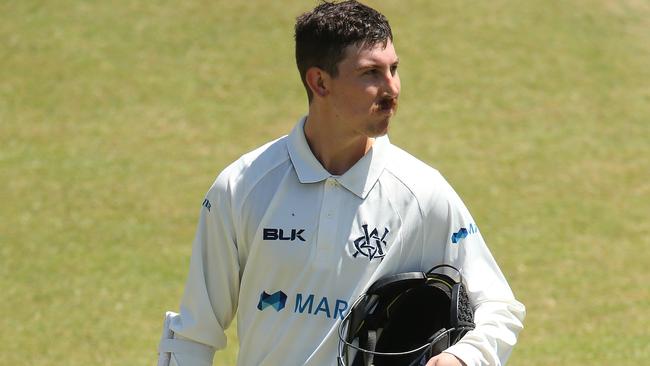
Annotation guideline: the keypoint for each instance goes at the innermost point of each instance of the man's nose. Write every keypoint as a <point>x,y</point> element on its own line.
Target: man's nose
<point>392,84</point>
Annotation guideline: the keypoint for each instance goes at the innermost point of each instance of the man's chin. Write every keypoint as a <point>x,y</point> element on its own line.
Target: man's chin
<point>380,128</point>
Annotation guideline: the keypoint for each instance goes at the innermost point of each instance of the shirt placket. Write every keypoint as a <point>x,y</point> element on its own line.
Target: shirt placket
<point>327,226</point>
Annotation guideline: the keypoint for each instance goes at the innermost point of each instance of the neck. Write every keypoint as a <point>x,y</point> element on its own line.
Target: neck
<point>335,148</point>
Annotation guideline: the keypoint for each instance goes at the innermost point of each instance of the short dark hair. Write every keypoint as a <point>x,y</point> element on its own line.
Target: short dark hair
<point>323,34</point>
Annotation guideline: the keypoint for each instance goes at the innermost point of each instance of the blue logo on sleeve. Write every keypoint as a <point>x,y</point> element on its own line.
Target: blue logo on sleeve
<point>457,237</point>
<point>277,300</point>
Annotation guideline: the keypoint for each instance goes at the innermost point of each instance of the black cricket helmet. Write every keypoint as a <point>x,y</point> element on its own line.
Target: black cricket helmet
<point>405,319</point>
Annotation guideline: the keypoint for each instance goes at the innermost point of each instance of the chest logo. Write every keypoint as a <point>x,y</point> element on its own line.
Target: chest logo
<point>276,300</point>
<point>279,234</point>
<point>371,244</point>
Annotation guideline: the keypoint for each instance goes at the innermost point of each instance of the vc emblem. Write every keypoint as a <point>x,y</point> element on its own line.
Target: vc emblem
<point>371,245</point>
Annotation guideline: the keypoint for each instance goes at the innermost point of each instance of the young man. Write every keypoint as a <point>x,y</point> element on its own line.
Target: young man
<point>291,233</point>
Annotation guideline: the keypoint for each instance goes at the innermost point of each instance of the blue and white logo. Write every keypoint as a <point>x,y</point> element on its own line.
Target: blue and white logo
<point>325,306</point>
<point>461,234</point>
<point>305,304</point>
<point>277,300</point>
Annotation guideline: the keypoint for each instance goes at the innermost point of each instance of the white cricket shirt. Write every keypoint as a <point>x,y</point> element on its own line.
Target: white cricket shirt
<point>289,247</point>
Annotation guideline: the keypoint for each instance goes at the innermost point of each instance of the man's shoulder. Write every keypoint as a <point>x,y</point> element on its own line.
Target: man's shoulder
<point>253,165</point>
<point>421,179</point>
<point>411,170</point>
<point>264,157</point>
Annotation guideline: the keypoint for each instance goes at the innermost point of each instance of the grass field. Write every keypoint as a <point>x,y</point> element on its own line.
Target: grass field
<point>115,117</point>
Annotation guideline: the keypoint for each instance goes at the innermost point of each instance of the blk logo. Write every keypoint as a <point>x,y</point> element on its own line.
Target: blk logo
<point>279,234</point>
<point>206,203</point>
<point>277,300</point>
<point>457,237</point>
<point>371,244</point>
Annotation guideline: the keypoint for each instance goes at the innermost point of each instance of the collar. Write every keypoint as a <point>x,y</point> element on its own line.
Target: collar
<point>359,179</point>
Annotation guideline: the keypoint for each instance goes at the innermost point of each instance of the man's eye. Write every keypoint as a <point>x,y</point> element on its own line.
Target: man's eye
<point>371,72</point>
<point>393,69</point>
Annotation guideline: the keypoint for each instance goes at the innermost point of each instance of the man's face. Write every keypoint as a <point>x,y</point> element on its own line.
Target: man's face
<point>364,94</point>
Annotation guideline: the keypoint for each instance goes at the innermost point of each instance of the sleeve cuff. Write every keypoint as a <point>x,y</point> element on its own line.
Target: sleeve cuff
<point>469,354</point>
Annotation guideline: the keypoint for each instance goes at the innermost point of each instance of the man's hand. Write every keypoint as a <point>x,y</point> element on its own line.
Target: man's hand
<point>445,359</point>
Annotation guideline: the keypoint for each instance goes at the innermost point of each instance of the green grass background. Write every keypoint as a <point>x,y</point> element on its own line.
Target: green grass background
<point>115,117</point>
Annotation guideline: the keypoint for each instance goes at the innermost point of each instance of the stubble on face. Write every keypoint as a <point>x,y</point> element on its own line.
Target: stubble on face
<point>367,88</point>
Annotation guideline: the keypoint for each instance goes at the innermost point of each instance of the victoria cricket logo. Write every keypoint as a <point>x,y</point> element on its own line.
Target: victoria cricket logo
<point>371,244</point>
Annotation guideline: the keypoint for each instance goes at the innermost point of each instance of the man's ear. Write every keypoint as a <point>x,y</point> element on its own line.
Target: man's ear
<point>318,81</point>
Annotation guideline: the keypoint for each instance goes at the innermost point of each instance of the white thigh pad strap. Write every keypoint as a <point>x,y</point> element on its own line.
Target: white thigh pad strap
<point>183,348</point>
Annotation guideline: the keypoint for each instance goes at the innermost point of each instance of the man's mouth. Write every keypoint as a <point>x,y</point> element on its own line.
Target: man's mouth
<point>387,105</point>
